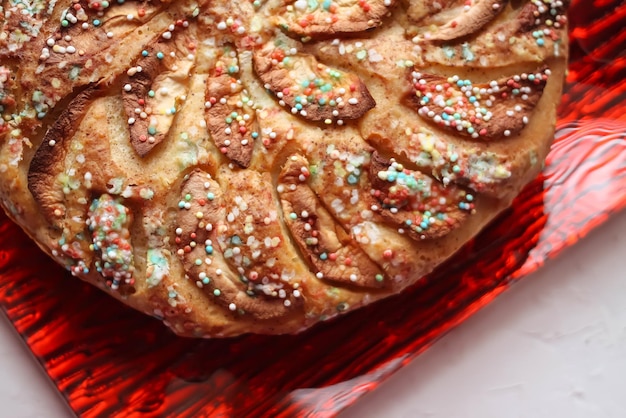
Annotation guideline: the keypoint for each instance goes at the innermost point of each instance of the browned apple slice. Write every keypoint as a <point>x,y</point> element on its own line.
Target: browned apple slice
<point>229,114</point>
<point>331,17</point>
<point>416,202</point>
<point>70,167</point>
<point>95,41</point>
<point>533,33</point>
<point>153,90</point>
<point>470,18</point>
<point>418,10</point>
<point>310,89</point>
<point>485,111</point>
<point>109,222</point>
<point>20,22</point>
<point>49,159</point>
<point>217,246</point>
<point>330,250</point>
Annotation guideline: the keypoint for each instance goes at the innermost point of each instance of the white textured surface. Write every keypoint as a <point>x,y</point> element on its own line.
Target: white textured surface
<point>554,346</point>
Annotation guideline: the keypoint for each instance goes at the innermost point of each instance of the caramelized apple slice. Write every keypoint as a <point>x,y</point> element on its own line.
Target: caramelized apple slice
<point>95,42</point>
<point>330,250</point>
<point>64,177</point>
<point>487,111</point>
<point>532,33</point>
<point>109,222</point>
<point>49,159</point>
<point>20,23</point>
<point>229,114</point>
<point>311,89</point>
<point>453,19</point>
<point>213,237</point>
<point>153,90</point>
<point>331,17</point>
<point>470,19</point>
<point>416,202</point>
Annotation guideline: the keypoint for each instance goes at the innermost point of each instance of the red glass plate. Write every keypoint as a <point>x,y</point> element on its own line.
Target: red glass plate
<point>108,360</point>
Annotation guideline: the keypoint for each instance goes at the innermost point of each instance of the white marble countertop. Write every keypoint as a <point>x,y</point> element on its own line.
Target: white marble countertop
<point>554,346</point>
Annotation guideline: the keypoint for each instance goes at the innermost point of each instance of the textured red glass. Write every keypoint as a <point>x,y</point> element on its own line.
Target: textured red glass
<point>108,360</point>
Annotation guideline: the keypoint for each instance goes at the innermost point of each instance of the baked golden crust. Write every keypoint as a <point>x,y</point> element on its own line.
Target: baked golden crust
<point>235,167</point>
<point>331,17</point>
